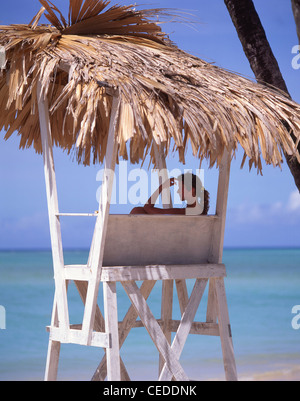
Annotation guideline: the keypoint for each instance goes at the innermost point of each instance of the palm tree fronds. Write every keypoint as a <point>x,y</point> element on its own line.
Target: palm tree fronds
<point>89,17</point>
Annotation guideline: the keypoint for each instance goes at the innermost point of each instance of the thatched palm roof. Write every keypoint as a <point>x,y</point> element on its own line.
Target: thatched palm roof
<point>166,96</point>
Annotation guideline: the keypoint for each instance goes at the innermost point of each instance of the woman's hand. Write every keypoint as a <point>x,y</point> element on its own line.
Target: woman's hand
<point>167,184</point>
<point>148,208</point>
<point>172,181</point>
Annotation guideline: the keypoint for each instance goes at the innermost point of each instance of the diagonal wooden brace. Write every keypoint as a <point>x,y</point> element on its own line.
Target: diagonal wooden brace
<point>185,325</point>
<point>154,330</point>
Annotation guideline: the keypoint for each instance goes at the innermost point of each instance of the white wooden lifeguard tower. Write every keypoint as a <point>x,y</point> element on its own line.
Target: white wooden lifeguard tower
<point>111,77</point>
<point>178,248</point>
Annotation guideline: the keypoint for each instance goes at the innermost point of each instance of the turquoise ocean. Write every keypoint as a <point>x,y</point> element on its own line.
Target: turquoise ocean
<point>263,286</point>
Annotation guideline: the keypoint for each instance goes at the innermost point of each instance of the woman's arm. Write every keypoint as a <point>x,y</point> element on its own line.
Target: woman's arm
<point>149,206</point>
<point>153,198</point>
<point>150,209</point>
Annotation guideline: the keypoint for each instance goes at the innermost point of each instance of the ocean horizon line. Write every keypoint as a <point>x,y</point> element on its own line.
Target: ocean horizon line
<point>226,248</point>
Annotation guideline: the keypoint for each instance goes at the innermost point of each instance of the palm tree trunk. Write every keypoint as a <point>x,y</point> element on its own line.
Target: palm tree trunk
<point>296,11</point>
<point>260,55</point>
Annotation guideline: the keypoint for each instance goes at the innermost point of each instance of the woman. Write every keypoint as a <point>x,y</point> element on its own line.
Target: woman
<point>190,189</point>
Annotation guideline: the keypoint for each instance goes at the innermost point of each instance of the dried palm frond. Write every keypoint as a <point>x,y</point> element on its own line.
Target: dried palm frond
<point>166,95</point>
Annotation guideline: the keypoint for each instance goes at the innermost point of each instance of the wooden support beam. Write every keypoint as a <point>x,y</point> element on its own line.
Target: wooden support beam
<point>99,339</point>
<point>166,313</point>
<point>124,328</point>
<point>53,349</point>
<point>182,294</point>
<point>52,200</point>
<point>163,175</point>
<point>154,330</point>
<point>161,272</point>
<point>99,325</point>
<point>111,327</point>
<point>185,326</point>
<point>97,248</point>
<point>225,332</point>
<point>217,241</point>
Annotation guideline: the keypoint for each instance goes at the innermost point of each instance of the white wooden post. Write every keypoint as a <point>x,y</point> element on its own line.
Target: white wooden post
<point>111,326</point>
<point>162,172</point>
<point>53,211</point>
<point>166,313</point>
<point>221,208</point>
<point>124,329</point>
<point>216,251</point>
<point>225,332</point>
<point>53,349</point>
<point>167,285</point>
<point>98,242</point>
<point>217,303</point>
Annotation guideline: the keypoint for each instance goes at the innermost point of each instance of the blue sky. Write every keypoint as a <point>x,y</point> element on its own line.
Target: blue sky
<point>262,211</point>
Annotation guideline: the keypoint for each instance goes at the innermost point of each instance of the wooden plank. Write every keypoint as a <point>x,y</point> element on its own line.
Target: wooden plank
<point>52,200</point>
<point>161,272</point>
<point>185,325</point>
<point>166,313</point>
<point>167,285</point>
<point>75,337</point>
<point>52,360</point>
<point>182,294</point>
<point>197,328</point>
<point>77,214</point>
<point>154,330</point>
<point>97,248</point>
<point>99,325</point>
<point>177,240</point>
<point>217,241</point>
<point>124,328</point>
<point>77,273</point>
<point>163,174</point>
<point>53,349</point>
<point>111,327</point>
<point>225,332</point>
<point>211,313</point>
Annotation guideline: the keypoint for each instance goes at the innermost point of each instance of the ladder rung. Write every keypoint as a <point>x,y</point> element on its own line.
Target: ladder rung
<point>77,214</point>
<point>77,272</point>
<point>75,336</point>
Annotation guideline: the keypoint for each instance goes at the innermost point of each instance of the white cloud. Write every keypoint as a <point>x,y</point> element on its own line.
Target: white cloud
<point>264,214</point>
<point>294,202</point>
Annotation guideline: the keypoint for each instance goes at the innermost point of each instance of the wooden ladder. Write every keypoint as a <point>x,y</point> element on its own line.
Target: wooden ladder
<point>87,278</point>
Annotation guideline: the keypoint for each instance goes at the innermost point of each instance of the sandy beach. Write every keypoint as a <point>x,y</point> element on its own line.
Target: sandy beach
<point>288,374</point>
<point>280,375</point>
